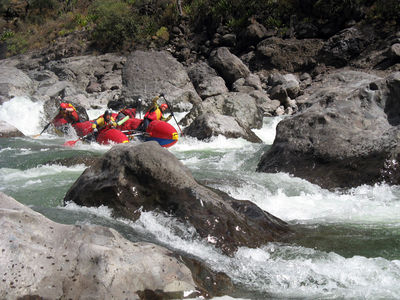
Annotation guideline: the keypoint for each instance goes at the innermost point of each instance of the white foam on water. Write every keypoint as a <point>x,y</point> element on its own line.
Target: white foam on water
<point>284,270</point>
<point>295,199</point>
<point>268,131</point>
<point>24,114</point>
<point>43,170</point>
<point>279,270</point>
<point>220,142</point>
<point>102,210</point>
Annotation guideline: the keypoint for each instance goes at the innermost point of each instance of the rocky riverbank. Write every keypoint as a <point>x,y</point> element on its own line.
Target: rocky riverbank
<point>341,130</point>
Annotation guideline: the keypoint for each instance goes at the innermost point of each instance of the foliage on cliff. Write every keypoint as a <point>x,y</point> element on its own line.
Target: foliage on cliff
<point>122,24</point>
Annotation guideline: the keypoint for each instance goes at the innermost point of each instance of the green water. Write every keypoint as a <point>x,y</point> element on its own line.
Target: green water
<point>343,242</point>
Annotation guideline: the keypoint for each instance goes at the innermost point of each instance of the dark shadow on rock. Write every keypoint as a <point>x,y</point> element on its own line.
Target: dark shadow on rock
<point>147,176</point>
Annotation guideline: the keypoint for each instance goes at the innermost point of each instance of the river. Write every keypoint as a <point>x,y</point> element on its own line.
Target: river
<point>347,242</point>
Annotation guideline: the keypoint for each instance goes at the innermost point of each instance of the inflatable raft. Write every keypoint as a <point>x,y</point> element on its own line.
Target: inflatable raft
<point>162,132</point>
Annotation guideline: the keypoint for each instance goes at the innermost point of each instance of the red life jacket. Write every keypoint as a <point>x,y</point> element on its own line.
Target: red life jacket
<point>131,112</point>
<point>154,114</point>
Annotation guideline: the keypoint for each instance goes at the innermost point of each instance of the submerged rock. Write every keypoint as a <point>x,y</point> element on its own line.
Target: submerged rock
<point>147,176</point>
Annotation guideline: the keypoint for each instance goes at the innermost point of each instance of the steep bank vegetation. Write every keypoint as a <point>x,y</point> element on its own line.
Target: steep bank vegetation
<point>125,24</point>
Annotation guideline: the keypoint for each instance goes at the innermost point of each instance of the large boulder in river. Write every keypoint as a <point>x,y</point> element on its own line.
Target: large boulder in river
<point>239,105</point>
<point>130,178</point>
<point>147,74</point>
<point>208,125</point>
<point>41,259</point>
<point>346,135</point>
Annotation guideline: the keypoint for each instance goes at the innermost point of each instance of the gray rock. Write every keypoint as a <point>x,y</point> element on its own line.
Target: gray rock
<point>14,82</point>
<point>253,34</point>
<point>228,65</point>
<point>8,130</point>
<point>130,178</point>
<point>278,92</point>
<point>241,87</point>
<point>228,40</point>
<point>44,77</point>
<point>265,104</point>
<point>147,74</point>
<point>81,69</point>
<point>254,81</point>
<point>247,85</point>
<point>344,135</point>
<point>93,87</point>
<point>239,105</point>
<point>206,81</point>
<point>288,55</point>
<point>48,260</point>
<point>394,51</point>
<point>60,88</point>
<point>208,125</point>
<point>291,85</point>
<point>341,48</point>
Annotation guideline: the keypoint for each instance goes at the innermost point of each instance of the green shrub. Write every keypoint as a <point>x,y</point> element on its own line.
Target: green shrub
<point>385,10</point>
<point>17,44</point>
<point>236,13</point>
<point>39,10</point>
<point>114,23</point>
<point>6,34</point>
<point>163,33</point>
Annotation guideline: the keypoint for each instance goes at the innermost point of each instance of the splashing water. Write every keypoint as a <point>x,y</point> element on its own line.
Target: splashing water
<point>346,244</point>
<point>24,114</point>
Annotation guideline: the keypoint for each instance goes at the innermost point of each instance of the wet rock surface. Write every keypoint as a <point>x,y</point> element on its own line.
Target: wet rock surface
<point>147,176</point>
<point>346,134</point>
<point>46,260</point>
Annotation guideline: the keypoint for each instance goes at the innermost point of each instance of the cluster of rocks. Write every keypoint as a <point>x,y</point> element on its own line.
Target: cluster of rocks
<point>50,260</point>
<point>226,83</point>
<point>342,130</point>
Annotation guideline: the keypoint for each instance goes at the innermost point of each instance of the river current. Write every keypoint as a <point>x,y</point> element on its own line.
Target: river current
<point>347,242</point>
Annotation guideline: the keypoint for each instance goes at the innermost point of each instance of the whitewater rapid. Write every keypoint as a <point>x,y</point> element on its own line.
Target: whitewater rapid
<point>280,270</point>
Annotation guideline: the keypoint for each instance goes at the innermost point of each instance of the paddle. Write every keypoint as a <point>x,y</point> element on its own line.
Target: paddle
<point>130,133</point>
<point>172,113</point>
<point>133,131</point>
<point>139,107</point>
<point>44,129</point>
<point>72,143</point>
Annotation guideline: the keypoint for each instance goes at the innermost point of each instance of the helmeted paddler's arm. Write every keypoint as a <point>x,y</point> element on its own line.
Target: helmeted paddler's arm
<point>166,119</point>
<point>155,104</point>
